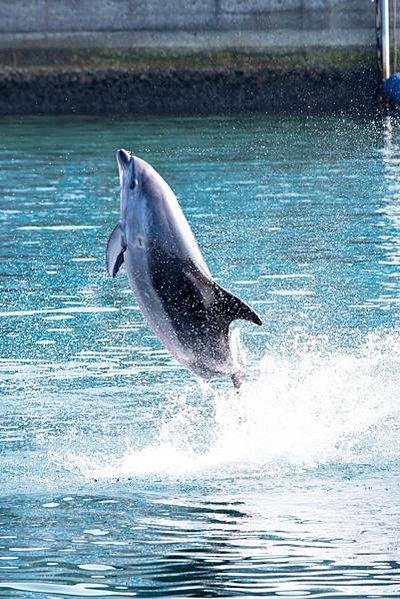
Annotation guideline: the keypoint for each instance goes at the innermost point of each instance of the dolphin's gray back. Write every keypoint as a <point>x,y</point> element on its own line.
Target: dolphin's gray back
<point>167,226</point>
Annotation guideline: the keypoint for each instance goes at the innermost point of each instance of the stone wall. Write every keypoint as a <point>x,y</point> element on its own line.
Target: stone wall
<point>187,56</point>
<point>185,23</point>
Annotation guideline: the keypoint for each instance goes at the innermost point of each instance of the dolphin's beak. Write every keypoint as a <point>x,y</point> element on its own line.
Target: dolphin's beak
<point>123,158</point>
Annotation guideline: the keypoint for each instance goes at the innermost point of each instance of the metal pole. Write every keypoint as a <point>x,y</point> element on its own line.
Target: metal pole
<point>385,39</point>
<point>394,36</point>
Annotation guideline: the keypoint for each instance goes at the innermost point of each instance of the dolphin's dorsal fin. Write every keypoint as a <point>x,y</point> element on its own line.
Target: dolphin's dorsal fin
<point>224,305</point>
<point>233,307</point>
<point>116,247</point>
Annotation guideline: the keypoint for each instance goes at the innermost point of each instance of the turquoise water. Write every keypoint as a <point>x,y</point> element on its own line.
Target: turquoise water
<point>121,475</point>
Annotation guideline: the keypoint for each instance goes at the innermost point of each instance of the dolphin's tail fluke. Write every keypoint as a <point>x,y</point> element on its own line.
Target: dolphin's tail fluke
<point>238,358</point>
<point>238,379</point>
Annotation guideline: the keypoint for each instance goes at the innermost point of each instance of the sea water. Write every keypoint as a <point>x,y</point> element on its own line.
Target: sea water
<point>123,475</point>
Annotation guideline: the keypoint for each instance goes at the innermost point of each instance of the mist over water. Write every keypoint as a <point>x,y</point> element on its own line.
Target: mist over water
<point>120,473</point>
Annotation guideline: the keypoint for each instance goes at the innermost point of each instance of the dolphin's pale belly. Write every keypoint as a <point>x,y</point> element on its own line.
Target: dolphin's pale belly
<point>174,308</point>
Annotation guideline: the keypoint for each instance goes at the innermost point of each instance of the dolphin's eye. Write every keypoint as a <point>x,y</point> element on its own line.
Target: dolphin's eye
<point>133,183</point>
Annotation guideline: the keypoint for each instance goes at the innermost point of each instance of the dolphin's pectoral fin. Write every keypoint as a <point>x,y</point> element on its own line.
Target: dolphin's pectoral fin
<point>116,247</point>
<point>234,308</point>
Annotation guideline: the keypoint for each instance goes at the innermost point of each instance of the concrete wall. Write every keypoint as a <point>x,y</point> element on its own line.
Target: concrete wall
<point>187,56</point>
<point>185,23</point>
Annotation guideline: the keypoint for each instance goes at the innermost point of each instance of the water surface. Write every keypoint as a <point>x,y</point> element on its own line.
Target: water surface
<point>120,475</point>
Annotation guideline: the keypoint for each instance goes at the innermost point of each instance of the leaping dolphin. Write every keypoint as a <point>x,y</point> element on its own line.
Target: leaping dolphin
<point>188,311</point>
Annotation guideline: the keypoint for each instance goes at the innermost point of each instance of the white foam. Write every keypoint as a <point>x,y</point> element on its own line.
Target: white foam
<point>308,407</point>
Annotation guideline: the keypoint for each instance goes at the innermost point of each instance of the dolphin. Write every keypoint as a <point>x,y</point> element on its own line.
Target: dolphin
<point>188,311</point>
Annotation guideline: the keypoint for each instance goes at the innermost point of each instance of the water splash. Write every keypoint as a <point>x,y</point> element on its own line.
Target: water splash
<point>308,407</point>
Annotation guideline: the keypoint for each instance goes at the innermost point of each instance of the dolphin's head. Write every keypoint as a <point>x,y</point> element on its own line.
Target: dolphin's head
<point>140,184</point>
<point>133,175</point>
<point>128,177</point>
